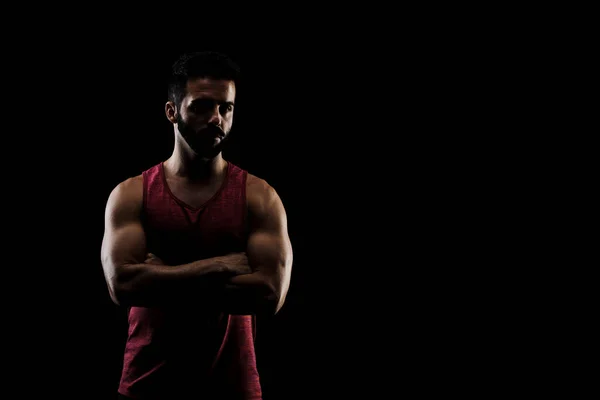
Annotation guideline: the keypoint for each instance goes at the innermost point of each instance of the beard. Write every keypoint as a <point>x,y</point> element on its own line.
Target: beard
<point>207,142</point>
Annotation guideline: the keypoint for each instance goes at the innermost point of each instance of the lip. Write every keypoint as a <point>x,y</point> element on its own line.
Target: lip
<point>216,132</point>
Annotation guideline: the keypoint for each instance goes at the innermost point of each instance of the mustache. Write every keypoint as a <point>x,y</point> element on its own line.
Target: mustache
<point>214,129</point>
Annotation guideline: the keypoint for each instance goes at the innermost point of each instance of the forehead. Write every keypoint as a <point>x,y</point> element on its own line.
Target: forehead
<point>219,89</point>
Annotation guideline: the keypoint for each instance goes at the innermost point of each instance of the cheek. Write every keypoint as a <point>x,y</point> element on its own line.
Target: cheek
<point>226,121</point>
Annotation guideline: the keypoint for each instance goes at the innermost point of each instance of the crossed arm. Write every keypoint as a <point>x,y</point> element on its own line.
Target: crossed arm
<point>253,282</point>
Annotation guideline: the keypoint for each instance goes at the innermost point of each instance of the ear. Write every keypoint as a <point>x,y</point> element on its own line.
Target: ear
<point>171,112</point>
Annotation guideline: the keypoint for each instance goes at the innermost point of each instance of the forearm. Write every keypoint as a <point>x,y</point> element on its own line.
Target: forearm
<point>252,293</point>
<point>149,285</point>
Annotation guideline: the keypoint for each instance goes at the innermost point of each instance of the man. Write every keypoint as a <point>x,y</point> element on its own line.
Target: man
<point>195,248</point>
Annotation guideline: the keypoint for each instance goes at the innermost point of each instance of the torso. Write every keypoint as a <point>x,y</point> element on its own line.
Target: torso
<point>196,195</point>
<point>223,342</point>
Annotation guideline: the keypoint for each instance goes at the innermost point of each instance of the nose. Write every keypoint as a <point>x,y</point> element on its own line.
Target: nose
<point>215,116</point>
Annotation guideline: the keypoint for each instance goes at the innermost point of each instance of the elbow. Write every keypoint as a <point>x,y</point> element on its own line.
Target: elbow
<point>120,290</point>
<point>113,296</point>
<point>276,297</point>
<point>276,307</point>
<point>117,282</point>
<point>275,288</point>
<point>271,304</point>
<point>112,285</point>
<point>117,293</point>
<point>279,301</point>
<point>124,296</point>
<point>279,288</point>
<point>267,301</point>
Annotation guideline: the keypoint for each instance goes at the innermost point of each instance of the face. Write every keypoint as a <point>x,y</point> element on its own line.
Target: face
<point>206,114</point>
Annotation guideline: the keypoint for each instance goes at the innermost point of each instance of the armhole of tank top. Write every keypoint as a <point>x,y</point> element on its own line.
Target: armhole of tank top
<point>144,197</point>
<point>245,202</point>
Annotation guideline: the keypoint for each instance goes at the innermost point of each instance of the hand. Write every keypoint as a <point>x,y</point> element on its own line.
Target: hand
<point>153,259</point>
<point>235,263</point>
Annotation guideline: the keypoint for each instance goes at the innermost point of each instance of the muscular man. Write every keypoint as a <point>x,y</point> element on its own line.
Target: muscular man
<point>195,248</point>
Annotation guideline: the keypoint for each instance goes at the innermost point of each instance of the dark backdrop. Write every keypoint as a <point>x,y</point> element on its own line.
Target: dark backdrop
<point>283,132</point>
<point>379,161</point>
<point>131,133</point>
<point>316,135</point>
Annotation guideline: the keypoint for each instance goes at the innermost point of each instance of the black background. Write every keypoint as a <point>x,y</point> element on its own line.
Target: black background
<point>266,140</point>
<point>316,126</point>
<point>378,156</point>
<point>293,128</point>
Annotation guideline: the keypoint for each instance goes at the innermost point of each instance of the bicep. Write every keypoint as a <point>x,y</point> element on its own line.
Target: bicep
<point>124,244</point>
<point>269,249</point>
<point>124,240</point>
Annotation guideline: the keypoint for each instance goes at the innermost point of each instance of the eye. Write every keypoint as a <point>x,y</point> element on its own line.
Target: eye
<point>201,106</point>
<point>226,108</point>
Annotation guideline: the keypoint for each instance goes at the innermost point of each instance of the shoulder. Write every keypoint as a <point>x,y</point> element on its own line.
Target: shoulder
<point>258,189</point>
<point>133,187</point>
<point>262,198</point>
<point>127,195</point>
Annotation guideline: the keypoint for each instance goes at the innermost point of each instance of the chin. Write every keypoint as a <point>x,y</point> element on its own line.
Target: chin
<point>208,152</point>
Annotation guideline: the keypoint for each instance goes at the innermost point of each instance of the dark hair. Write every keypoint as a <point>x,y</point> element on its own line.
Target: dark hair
<point>201,64</point>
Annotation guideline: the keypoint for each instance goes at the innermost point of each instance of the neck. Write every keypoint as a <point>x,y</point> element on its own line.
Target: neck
<point>194,168</point>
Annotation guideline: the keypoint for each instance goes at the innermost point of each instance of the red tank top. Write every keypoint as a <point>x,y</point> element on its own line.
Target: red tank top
<point>182,352</point>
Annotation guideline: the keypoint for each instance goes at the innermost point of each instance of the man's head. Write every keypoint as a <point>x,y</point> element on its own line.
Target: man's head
<point>201,94</point>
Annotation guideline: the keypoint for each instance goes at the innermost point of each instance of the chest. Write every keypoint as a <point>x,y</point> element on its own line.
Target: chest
<point>189,224</point>
<point>194,196</point>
